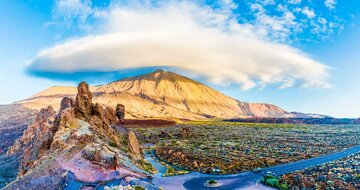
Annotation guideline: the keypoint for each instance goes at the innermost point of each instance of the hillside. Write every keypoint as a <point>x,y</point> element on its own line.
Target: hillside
<point>161,94</point>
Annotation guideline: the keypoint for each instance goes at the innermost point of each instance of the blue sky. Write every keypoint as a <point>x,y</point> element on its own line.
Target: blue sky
<point>300,55</point>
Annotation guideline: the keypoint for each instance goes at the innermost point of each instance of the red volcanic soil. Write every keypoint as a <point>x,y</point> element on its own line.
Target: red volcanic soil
<point>144,123</point>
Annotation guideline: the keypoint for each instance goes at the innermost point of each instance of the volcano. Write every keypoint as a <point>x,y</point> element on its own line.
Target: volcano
<point>161,94</point>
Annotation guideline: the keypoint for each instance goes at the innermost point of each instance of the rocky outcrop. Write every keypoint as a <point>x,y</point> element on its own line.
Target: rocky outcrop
<point>107,115</point>
<point>134,147</point>
<point>120,113</point>
<point>83,104</point>
<point>100,119</point>
<point>66,102</point>
<point>110,116</point>
<point>36,139</point>
<point>81,139</point>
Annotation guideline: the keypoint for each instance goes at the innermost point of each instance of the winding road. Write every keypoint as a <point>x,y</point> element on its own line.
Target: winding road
<point>245,180</point>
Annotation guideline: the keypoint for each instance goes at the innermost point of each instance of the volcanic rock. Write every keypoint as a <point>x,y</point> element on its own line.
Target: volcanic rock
<point>80,139</point>
<point>120,113</point>
<point>134,147</point>
<point>83,103</point>
<point>36,139</point>
<point>100,155</point>
<point>110,116</point>
<point>66,102</point>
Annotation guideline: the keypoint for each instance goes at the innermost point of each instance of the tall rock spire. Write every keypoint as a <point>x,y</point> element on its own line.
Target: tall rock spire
<point>83,103</point>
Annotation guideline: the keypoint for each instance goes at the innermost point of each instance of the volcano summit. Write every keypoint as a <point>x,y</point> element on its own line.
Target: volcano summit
<point>161,94</point>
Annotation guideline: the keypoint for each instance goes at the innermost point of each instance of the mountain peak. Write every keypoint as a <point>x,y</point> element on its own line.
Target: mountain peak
<point>167,94</point>
<point>159,71</point>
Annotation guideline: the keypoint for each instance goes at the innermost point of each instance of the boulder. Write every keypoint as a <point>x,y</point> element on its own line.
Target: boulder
<point>134,147</point>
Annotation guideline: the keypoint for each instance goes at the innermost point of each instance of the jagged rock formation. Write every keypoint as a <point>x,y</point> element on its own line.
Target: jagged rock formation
<point>83,104</point>
<point>161,94</point>
<point>120,113</point>
<point>79,139</point>
<point>134,147</point>
<point>36,139</point>
<point>66,102</point>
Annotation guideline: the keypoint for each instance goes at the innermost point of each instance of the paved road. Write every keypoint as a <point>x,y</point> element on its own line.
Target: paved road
<point>244,180</point>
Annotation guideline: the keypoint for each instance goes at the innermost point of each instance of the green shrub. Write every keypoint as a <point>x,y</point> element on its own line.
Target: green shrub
<point>171,170</point>
<point>212,181</point>
<point>139,188</point>
<point>283,186</point>
<point>113,144</point>
<point>273,182</point>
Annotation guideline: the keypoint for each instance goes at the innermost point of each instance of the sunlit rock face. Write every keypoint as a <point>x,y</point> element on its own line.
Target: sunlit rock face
<point>83,102</point>
<point>134,147</point>
<point>82,139</point>
<point>36,139</point>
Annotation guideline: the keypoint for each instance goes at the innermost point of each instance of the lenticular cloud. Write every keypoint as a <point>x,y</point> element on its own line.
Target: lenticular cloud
<point>194,38</point>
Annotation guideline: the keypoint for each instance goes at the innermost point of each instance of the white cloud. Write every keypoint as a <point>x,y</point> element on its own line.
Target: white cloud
<point>199,39</point>
<point>268,2</point>
<point>330,4</point>
<point>80,12</point>
<point>322,21</point>
<point>308,12</point>
<point>294,1</point>
<point>275,27</point>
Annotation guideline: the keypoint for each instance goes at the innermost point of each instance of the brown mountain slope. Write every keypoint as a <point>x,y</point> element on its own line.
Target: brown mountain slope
<point>162,94</point>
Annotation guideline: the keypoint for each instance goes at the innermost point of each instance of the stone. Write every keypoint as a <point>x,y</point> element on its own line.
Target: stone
<point>100,155</point>
<point>82,135</point>
<point>98,110</point>
<point>120,113</point>
<point>110,116</point>
<point>83,104</point>
<point>66,103</point>
<point>36,139</point>
<point>134,147</point>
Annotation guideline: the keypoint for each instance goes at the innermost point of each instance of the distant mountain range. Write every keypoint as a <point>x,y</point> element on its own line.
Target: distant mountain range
<point>309,115</point>
<point>162,94</point>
